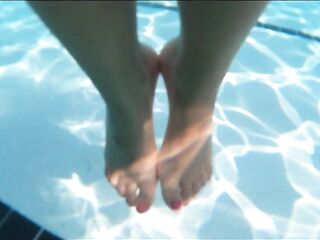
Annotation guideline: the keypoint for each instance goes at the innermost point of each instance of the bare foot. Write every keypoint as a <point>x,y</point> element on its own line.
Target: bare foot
<point>130,149</point>
<point>184,161</point>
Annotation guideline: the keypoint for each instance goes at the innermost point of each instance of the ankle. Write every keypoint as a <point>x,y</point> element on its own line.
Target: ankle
<point>192,93</point>
<point>194,87</point>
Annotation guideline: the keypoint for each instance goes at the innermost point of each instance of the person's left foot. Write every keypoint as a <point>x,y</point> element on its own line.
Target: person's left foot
<point>185,158</point>
<point>130,146</point>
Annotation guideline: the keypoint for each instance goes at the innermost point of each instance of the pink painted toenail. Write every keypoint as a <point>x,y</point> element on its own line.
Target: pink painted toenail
<point>142,207</point>
<point>175,205</point>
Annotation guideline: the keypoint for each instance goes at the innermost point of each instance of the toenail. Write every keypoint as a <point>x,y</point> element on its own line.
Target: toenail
<point>175,205</point>
<point>142,207</point>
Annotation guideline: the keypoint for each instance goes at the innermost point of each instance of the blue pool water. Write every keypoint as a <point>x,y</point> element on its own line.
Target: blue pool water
<point>266,136</point>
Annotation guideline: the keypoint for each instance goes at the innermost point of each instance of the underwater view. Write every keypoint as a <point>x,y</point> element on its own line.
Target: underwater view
<point>266,139</point>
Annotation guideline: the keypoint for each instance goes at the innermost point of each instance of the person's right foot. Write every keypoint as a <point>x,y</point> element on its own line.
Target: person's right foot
<point>130,149</point>
<point>184,160</point>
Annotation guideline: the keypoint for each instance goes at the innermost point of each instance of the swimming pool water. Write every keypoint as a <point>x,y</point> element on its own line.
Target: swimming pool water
<point>266,136</point>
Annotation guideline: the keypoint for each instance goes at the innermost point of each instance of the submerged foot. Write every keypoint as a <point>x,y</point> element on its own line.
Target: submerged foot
<point>184,161</point>
<point>130,147</point>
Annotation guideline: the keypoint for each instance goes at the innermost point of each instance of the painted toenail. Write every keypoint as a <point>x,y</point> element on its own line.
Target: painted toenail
<point>175,205</point>
<point>142,207</point>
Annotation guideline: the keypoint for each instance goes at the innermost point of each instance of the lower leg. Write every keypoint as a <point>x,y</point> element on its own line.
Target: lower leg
<point>193,66</point>
<point>211,34</point>
<point>102,38</point>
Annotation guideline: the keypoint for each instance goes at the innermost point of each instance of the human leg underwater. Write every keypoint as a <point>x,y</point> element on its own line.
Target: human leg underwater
<point>193,66</point>
<point>102,38</point>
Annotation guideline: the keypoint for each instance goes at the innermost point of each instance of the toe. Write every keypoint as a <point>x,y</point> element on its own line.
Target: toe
<point>172,196</point>
<point>146,195</point>
<point>121,189</point>
<point>205,178</point>
<point>113,178</point>
<point>131,194</point>
<point>196,186</point>
<point>208,174</point>
<point>186,191</point>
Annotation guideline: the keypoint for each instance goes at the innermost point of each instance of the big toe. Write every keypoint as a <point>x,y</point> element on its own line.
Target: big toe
<point>146,196</point>
<point>172,195</point>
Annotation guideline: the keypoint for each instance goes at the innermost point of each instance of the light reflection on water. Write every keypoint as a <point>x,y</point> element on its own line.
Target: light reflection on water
<point>266,137</point>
